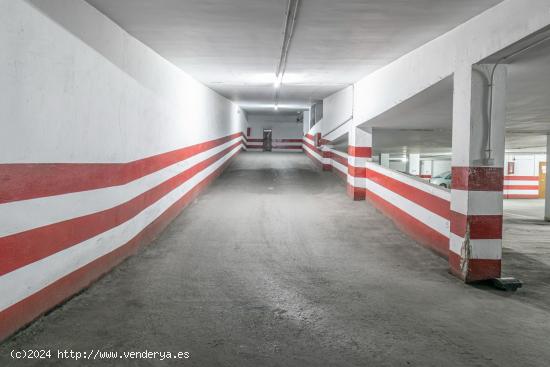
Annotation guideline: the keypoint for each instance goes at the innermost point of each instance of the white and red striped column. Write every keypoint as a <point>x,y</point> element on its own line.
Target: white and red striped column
<point>475,248</point>
<point>359,153</point>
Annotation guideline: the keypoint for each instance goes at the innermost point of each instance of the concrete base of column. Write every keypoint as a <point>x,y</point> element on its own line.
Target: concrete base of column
<point>474,270</point>
<point>356,193</point>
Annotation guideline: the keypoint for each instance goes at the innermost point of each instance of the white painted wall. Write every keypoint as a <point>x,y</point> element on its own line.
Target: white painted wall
<point>283,126</point>
<point>426,167</point>
<point>307,117</point>
<point>414,164</point>
<point>337,108</point>
<point>525,164</point>
<point>75,87</point>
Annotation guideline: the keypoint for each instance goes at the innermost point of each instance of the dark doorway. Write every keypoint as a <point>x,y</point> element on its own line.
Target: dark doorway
<point>267,140</point>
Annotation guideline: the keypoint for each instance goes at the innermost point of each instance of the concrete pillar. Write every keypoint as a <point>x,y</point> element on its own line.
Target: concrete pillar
<point>414,164</point>
<point>359,152</point>
<point>477,173</point>
<point>547,188</point>
<point>385,160</point>
<point>426,167</point>
<point>306,122</point>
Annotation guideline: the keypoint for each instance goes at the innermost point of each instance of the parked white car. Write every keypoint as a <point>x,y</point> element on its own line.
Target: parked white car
<point>443,179</point>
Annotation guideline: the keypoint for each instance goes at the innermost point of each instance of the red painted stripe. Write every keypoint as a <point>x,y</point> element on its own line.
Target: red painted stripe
<point>477,178</point>
<point>318,140</point>
<point>478,269</point>
<point>34,180</point>
<point>26,247</point>
<point>20,314</point>
<point>327,154</point>
<point>314,148</point>
<point>481,226</point>
<point>425,176</point>
<point>520,187</point>
<point>520,196</point>
<point>357,171</point>
<point>431,202</point>
<point>363,152</point>
<point>356,193</point>
<point>310,137</point>
<point>420,232</point>
<point>521,178</point>
<point>343,161</point>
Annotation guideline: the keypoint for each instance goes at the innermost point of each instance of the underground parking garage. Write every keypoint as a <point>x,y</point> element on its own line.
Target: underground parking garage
<point>274,183</point>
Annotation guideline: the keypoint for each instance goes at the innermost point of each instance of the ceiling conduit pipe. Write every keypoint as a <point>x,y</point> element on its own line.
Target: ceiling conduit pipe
<point>491,85</point>
<point>290,21</point>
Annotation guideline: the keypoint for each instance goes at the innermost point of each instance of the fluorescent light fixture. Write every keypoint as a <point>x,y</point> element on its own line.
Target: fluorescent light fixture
<point>404,159</point>
<point>278,80</point>
<point>276,107</point>
<point>247,105</point>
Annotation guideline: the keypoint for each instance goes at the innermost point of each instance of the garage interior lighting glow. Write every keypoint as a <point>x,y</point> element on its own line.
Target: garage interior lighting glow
<point>277,82</point>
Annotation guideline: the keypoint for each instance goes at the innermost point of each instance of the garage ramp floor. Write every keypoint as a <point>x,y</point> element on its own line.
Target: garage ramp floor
<point>274,266</point>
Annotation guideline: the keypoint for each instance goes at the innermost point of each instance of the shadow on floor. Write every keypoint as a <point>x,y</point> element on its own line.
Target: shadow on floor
<point>534,274</point>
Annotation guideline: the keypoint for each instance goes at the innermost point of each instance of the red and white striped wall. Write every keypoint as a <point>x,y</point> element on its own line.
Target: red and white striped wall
<point>278,145</point>
<point>416,207</point>
<point>338,162</point>
<point>419,209</point>
<point>64,225</point>
<point>521,187</point>
<point>317,155</point>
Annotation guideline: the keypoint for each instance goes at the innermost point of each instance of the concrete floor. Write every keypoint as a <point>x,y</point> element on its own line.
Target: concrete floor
<point>275,266</point>
<point>526,248</point>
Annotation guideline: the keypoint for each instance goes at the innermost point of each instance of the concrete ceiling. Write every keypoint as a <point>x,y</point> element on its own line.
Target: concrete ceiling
<point>423,122</point>
<point>233,46</point>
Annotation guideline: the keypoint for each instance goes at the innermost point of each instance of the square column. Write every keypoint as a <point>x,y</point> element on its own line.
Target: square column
<point>475,248</point>
<point>426,168</point>
<point>414,164</point>
<point>359,152</point>
<point>385,160</point>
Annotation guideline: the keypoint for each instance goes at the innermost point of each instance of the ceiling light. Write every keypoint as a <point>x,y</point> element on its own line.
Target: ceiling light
<point>276,107</point>
<point>277,82</point>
